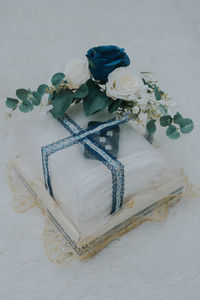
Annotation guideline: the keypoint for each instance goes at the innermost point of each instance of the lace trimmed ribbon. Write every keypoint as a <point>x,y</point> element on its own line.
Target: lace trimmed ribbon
<point>85,137</point>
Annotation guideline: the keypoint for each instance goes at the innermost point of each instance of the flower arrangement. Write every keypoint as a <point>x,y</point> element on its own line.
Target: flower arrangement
<point>104,80</point>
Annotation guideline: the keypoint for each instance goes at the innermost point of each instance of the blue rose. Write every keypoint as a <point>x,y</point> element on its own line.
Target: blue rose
<point>105,59</point>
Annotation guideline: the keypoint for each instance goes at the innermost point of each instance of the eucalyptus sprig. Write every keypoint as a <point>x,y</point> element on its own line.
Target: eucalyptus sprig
<point>153,104</point>
<point>155,108</point>
<point>61,96</point>
<point>175,124</point>
<point>27,99</point>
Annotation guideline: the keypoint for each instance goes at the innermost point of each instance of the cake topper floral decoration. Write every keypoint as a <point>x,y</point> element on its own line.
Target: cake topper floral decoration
<point>104,80</point>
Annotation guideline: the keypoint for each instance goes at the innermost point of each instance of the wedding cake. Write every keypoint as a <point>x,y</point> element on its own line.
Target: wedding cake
<point>84,159</point>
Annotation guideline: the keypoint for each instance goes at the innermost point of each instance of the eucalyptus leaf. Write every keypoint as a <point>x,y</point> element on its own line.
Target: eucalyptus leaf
<point>186,125</point>
<point>12,103</point>
<point>172,132</point>
<point>165,120</point>
<point>144,81</point>
<point>35,98</point>
<point>26,106</point>
<point>61,103</point>
<point>147,83</point>
<point>114,105</point>
<point>157,93</point>
<point>151,126</point>
<point>22,94</point>
<point>96,100</point>
<point>37,95</point>
<point>81,92</point>
<point>42,89</point>
<point>178,118</point>
<point>57,78</point>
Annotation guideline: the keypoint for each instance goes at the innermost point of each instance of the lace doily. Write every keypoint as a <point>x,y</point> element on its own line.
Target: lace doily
<point>57,248</point>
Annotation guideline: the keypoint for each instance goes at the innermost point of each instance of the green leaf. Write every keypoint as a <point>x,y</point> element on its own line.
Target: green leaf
<point>95,100</point>
<point>162,109</point>
<point>172,132</point>
<point>81,92</point>
<point>165,120</point>
<point>96,104</point>
<point>151,126</point>
<point>114,105</point>
<point>42,89</point>
<point>186,125</point>
<point>22,94</point>
<point>144,81</point>
<point>177,118</point>
<point>61,103</point>
<point>157,93</point>
<point>26,106</point>
<point>12,103</point>
<point>37,95</point>
<point>147,83</point>
<point>35,98</point>
<point>57,78</point>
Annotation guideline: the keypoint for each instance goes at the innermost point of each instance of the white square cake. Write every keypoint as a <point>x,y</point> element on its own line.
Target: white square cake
<point>82,187</point>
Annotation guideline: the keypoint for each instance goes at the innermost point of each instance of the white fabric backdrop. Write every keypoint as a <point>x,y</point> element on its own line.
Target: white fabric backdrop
<point>37,38</point>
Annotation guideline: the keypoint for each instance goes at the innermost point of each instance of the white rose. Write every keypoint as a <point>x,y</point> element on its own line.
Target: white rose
<point>124,84</point>
<point>77,73</point>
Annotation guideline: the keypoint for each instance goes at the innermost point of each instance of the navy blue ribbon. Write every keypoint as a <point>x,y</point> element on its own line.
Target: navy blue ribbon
<point>79,135</point>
